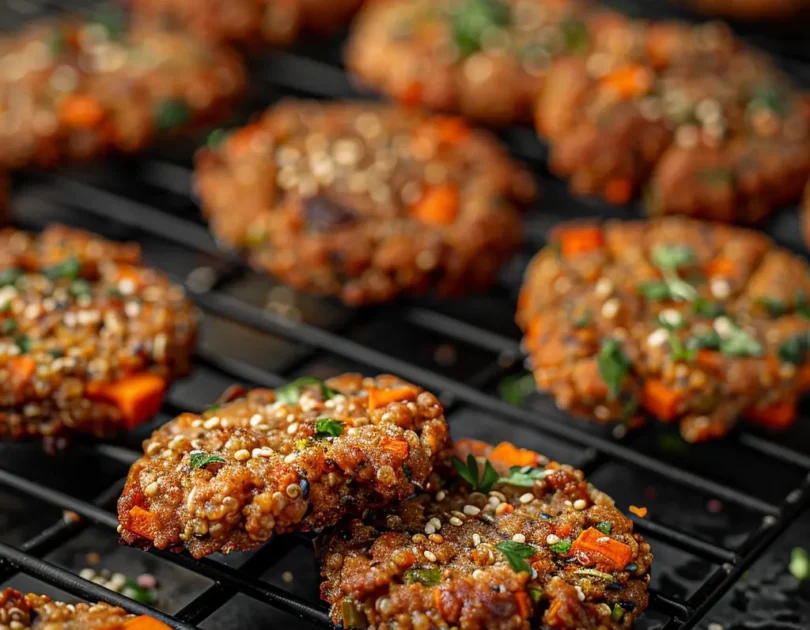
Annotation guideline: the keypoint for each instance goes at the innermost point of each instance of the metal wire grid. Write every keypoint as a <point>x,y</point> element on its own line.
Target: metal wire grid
<point>105,207</point>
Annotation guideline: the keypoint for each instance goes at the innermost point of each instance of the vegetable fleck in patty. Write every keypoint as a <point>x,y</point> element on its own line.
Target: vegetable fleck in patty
<point>697,323</point>
<point>90,339</point>
<point>39,612</point>
<point>294,459</point>
<point>510,542</point>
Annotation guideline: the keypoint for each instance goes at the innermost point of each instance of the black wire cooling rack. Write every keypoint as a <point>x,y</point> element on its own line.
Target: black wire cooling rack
<point>713,509</point>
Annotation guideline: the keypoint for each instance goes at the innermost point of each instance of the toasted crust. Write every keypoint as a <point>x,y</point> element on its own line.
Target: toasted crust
<point>252,22</point>
<point>78,314</point>
<point>102,86</point>
<point>365,202</point>
<point>39,612</point>
<point>434,561</point>
<point>738,320</point>
<point>274,472</point>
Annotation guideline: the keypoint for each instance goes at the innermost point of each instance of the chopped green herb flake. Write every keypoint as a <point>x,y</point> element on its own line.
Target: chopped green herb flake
<point>794,350</point>
<point>80,288</point>
<point>535,594</point>
<point>115,293</point>
<point>605,527</point>
<point>584,319</point>
<point>802,306</point>
<point>57,42</point>
<point>617,613</point>
<point>9,326</point>
<point>706,308</point>
<point>290,394</point>
<point>23,343</point>
<point>672,257</point>
<point>776,308</point>
<point>517,388</point>
<point>799,565</point>
<point>564,546</point>
<point>171,114</point>
<point>681,351</point>
<point>655,290</point>
<point>328,427</point>
<point>523,476</point>
<point>473,18</point>
<point>10,276</point>
<point>201,459</point>
<point>211,409</point>
<point>134,591</point>
<point>516,554</point>
<point>56,353</point>
<point>425,577</point>
<point>217,138</point>
<point>575,34</point>
<point>774,98</point>
<point>613,366</point>
<point>469,472</point>
<point>70,269</point>
<point>738,343</point>
<point>707,341</point>
<point>112,19</point>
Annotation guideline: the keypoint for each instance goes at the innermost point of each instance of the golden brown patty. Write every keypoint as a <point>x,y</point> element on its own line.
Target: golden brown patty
<point>73,89</point>
<point>252,22</point>
<point>39,612</point>
<point>294,459</point>
<point>698,323</point>
<point>544,548</point>
<point>365,202</point>
<point>717,133</point>
<point>89,338</point>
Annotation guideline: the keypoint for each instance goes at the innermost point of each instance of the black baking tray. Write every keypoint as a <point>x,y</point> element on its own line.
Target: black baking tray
<point>723,517</point>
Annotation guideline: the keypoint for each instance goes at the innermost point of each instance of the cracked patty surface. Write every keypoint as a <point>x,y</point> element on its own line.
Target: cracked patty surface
<point>90,339</point>
<point>697,323</point>
<point>571,559</point>
<point>294,459</point>
<point>366,202</point>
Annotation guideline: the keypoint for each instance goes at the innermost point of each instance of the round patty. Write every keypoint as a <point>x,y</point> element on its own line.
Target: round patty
<point>365,202</point>
<point>252,22</point>
<point>544,548</point>
<point>750,9</point>
<point>89,338</point>
<point>39,612</point>
<point>74,89</point>
<point>697,323</point>
<point>712,130</point>
<point>484,59</point>
<point>294,459</point>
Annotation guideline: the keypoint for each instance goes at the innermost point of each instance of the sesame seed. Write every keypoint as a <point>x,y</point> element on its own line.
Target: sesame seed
<point>580,504</point>
<point>152,489</point>
<point>256,420</point>
<point>455,521</point>
<point>290,458</point>
<point>552,539</point>
<point>471,510</point>
<point>241,455</point>
<point>657,338</point>
<point>436,523</point>
<point>292,428</point>
<point>602,540</point>
<point>610,308</point>
<point>526,498</point>
<point>440,495</point>
<point>430,556</point>
<point>519,538</point>
<point>720,288</point>
<point>211,423</point>
<point>478,574</point>
<point>429,529</point>
<point>604,287</point>
<point>580,594</point>
<point>476,539</point>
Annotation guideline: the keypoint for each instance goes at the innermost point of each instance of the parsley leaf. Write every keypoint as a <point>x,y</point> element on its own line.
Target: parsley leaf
<point>613,365</point>
<point>655,290</point>
<point>516,554</point>
<point>706,308</point>
<point>584,319</point>
<point>575,34</point>
<point>681,352</point>
<point>776,308</point>
<point>605,527</point>
<point>9,326</point>
<point>794,350</point>
<point>672,257</point>
<point>523,476</point>
<point>564,546</point>
<point>10,276</point>
<point>291,392</point>
<point>328,427</point>
<point>617,613</point>
<point>171,114</point>
<point>23,343</point>
<point>738,343</point>
<point>473,18</point>
<point>70,268</point>
<point>516,388</point>
<point>201,459</point>
<point>425,577</point>
<point>217,138</point>
<point>469,472</point>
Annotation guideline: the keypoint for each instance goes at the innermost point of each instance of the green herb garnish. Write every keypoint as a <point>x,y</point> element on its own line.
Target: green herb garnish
<point>584,319</point>
<point>290,393</point>
<point>171,114</point>
<point>425,577</point>
<point>473,18</point>
<point>564,546</point>
<point>672,257</point>
<point>671,319</point>
<point>80,288</point>
<point>216,139</point>
<point>706,308</point>
<point>681,351</point>
<point>523,476</point>
<point>132,590</point>
<point>799,565</point>
<point>201,459</point>
<point>613,366</point>
<point>575,34</point>
<point>10,276</point>
<point>70,269</point>
<point>739,343</point>
<point>776,308</point>
<point>469,472</point>
<point>517,388</point>
<point>536,594</point>
<point>605,527</point>
<point>516,554</point>
<point>668,259</point>
<point>211,408</point>
<point>9,326</point>
<point>23,343</point>
<point>112,19</point>
<point>328,427</point>
<point>57,42</point>
<point>657,290</point>
<point>617,612</point>
<point>794,350</point>
<point>774,98</point>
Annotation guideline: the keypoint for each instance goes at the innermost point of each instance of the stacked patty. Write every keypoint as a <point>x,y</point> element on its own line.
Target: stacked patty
<point>39,612</point>
<point>294,459</point>
<point>697,323</point>
<point>89,338</point>
<point>252,22</point>
<point>485,59</point>
<point>73,89</point>
<point>512,542</point>
<point>364,201</point>
<point>718,133</point>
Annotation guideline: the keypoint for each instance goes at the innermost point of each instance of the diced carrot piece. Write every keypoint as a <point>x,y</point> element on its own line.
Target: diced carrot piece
<point>21,369</point>
<point>411,94</point>
<point>438,206</point>
<point>381,397</point>
<point>437,599</point>
<point>619,191</point>
<point>452,130</point>
<point>779,415</point>
<point>533,334</point>
<point>137,397</point>
<point>144,622</point>
<point>242,141</point>
<point>615,552</point>
<point>581,240</point>
<point>629,82</point>
<point>721,266</point>
<point>641,512</point>
<point>803,377</point>
<point>398,448</point>
<point>524,604</point>
<point>142,522</point>
<point>710,359</point>
<point>553,611</point>
<point>511,455</point>
<point>83,112</point>
<point>660,400</point>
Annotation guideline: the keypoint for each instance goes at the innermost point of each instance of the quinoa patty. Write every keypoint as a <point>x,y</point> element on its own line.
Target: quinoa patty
<point>73,89</point>
<point>294,459</point>
<point>695,322</point>
<point>712,130</point>
<point>89,338</point>
<point>39,612</point>
<point>544,548</point>
<point>484,59</point>
<point>252,22</point>
<point>364,201</point>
